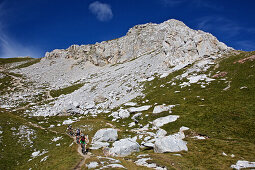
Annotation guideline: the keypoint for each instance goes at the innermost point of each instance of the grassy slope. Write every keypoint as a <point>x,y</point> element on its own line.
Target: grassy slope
<point>12,60</point>
<point>66,90</point>
<point>226,117</point>
<point>15,155</point>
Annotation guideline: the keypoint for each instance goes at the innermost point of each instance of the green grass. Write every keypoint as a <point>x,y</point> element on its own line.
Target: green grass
<point>12,60</point>
<point>29,63</point>
<point>15,155</point>
<point>66,90</point>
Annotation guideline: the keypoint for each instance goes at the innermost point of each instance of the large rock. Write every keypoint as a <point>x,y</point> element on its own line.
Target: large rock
<point>161,133</point>
<point>124,147</point>
<point>170,143</point>
<point>164,120</point>
<point>105,135</point>
<point>139,109</point>
<point>162,108</point>
<point>123,113</point>
<point>243,164</point>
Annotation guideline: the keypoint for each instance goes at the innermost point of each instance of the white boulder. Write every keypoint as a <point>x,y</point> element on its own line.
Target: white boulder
<point>162,108</point>
<point>92,165</point>
<point>124,147</point>
<point>170,144</point>
<point>161,133</point>
<point>105,135</point>
<point>124,114</point>
<point>243,164</point>
<point>164,120</point>
<point>130,104</point>
<point>139,109</point>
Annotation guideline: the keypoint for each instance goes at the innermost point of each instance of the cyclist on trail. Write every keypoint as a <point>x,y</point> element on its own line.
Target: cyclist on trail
<point>70,130</point>
<point>77,134</point>
<point>84,141</point>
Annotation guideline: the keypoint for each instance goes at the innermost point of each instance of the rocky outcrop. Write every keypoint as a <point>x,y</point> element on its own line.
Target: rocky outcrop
<point>171,38</point>
<point>105,135</point>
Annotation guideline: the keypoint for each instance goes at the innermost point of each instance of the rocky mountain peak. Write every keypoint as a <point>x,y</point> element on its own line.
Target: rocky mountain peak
<point>172,39</point>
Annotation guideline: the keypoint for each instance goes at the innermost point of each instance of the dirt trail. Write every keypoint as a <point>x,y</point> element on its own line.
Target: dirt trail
<point>84,157</point>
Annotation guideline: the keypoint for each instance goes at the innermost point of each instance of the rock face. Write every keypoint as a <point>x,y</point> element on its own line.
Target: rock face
<point>124,147</point>
<point>105,135</point>
<point>172,38</point>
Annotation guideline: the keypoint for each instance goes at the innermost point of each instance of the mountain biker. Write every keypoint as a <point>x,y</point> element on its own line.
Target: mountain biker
<point>70,130</point>
<point>83,143</point>
<point>77,134</point>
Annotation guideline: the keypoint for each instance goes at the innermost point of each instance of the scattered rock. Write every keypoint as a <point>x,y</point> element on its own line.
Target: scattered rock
<point>251,58</point>
<point>199,137</point>
<point>224,154</point>
<point>131,124</point>
<point>113,166</point>
<point>130,104</point>
<point>100,99</point>
<point>243,164</point>
<point>136,116</point>
<point>57,138</point>
<point>92,165</point>
<point>221,74</point>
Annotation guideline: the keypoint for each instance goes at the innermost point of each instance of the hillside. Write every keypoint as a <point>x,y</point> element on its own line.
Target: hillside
<point>179,99</point>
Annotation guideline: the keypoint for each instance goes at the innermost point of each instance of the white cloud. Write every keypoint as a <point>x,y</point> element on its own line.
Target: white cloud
<point>102,11</point>
<point>11,48</point>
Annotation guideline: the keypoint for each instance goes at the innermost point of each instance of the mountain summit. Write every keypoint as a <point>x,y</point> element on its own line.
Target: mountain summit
<point>171,40</point>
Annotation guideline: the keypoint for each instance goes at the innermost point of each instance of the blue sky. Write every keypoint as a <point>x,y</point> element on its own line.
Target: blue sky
<point>33,27</point>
